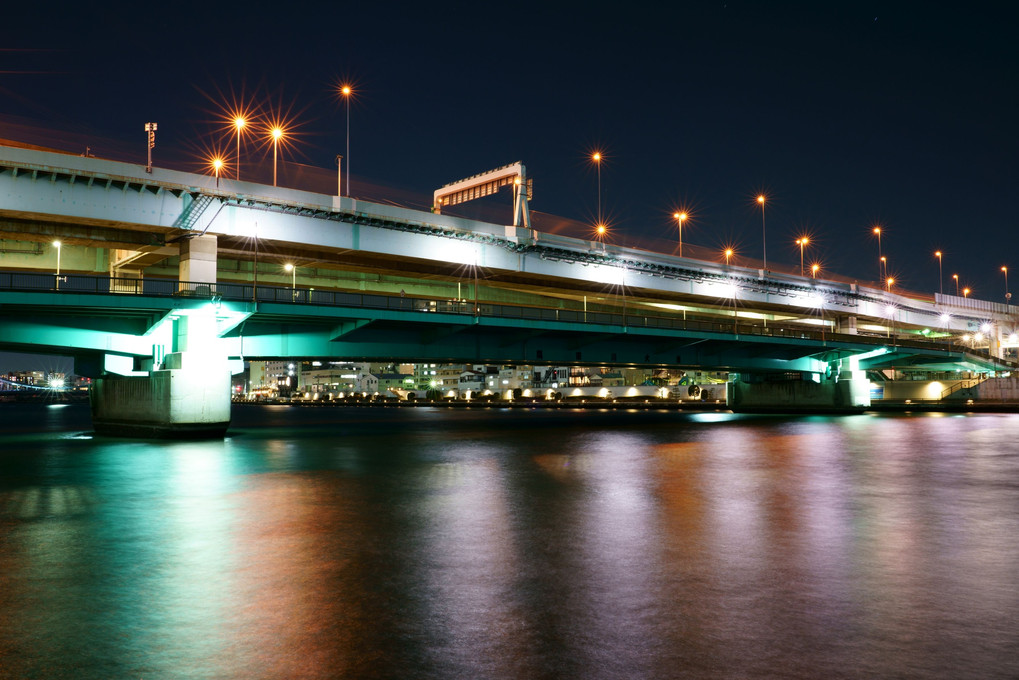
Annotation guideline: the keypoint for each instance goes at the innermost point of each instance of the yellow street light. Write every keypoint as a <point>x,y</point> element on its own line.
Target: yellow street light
<point>881,268</point>
<point>728,255</point>
<point>346,91</point>
<point>217,165</point>
<point>1008,296</point>
<point>680,217</point>
<point>965,292</point>
<point>276,132</point>
<point>801,242</point>
<point>239,124</point>
<point>764,233</point>
<point>956,277</point>
<point>814,268</point>
<point>941,277</point>
<point>596,158</point>
<point>293,278</point>
<point>888,282</point>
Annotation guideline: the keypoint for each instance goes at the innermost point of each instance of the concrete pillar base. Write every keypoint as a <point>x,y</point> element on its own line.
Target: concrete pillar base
<point>798,396</point>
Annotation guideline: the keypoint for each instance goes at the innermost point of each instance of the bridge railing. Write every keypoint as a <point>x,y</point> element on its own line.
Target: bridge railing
<point>77,283</point>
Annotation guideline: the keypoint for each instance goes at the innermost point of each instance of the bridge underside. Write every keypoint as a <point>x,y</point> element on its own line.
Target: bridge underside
<point>143,328</point>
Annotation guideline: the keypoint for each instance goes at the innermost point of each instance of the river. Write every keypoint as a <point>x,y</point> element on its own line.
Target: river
<point>436,543</point>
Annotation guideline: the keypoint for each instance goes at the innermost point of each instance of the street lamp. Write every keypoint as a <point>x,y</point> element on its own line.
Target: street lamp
<point>680,217</point>
<point>881,269</point>
<point>814,268</point>
<point>276,133</point>
<point>941,278</point>
<point>965,292</point>
<point>596,157</point>
<point>888,283</point>
<point>293,279</point>
<point>346,91</point>
<point>956,277</point>
<point>728,255</point>
<point>600,230</point>
<point>56,244</point>
<point>1008,296</point>
<point>801,242</point>
<point>217,165</point>
<point>239,124</point>
<point>764,233</point>
<point>339,175</point>
<point>883,266</point>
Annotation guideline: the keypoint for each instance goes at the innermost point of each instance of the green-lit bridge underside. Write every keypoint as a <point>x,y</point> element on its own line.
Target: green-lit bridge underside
<point>346,326</point>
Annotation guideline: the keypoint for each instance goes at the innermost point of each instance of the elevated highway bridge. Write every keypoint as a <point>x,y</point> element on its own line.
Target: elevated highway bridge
<point>155,267</point>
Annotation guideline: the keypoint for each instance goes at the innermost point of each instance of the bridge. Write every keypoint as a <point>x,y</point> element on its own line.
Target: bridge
<point>165,274</point>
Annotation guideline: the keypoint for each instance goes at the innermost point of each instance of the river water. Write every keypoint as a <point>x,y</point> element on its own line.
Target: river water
<point>433,543</point>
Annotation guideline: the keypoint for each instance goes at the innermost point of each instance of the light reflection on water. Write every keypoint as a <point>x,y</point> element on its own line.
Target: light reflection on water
<point>321,543</point>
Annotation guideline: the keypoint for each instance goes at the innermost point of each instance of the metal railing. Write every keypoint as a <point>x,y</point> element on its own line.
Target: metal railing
<point>78,283</point>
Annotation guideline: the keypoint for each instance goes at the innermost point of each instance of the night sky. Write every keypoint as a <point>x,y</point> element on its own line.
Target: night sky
<point>846,115</point>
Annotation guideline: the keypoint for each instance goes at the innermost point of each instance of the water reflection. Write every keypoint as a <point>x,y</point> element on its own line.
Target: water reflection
<point>471,544</point>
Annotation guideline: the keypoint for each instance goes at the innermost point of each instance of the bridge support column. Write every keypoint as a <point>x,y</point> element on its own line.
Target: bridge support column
<point>198,259</point>
<point>833,392</point>
<point>186,393</point>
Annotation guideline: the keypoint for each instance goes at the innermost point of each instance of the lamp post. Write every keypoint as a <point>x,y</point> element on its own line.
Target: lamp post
<point>801,242</point>
<point>57,244</point>
<point>1008,296</point>
<point>965,292</point>
<point>941,277</point>
<point>880,267</point>
<point>596,157</point>
<point>764,232</point>
<point>680,217</point>
<point>276,133</point>
<point>339,175</point>
<point>814,268</point>
<point>346,91</point>
<point>888,283</point>
<point>293,279</point>
<point>217,165</point>
<point>728,255</point>
<point>239,124</point>
<point>956,277</point>
<point>883,265</point>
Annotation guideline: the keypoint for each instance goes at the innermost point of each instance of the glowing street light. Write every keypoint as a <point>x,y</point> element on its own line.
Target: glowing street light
<point>239,124</point>
<point>728,255</point>
<point>965,292</point>
<point>680,217</point>
<point>1008,296</point>
<point>596,158</point>
<point>801,242</point>
<point>814,268</point>
<point>941,278</point>
<point>881,269</point>
<point>600,230</point>
<point>293,279</point>
<point>217,165</point>
<point>956,277</point>
<point>764,233</point>
<point>346,91</point>
<point>276,132</point>
<point>883,265</point>
<point>888,283</point>
<point>56,244</point>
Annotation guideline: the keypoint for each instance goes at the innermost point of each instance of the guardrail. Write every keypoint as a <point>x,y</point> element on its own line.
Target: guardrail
<point>78,283</point>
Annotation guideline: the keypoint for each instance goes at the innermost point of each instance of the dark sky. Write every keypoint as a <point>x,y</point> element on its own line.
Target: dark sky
<point>844,114</point>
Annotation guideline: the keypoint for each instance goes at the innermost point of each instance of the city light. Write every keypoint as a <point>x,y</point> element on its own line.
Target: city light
<point>802,242</point>
<point>881,269</point>
<point>347,92</point>
<point>276,133</point>
<point>941,278</point>
<point>764,231</point>
<point>596,159</point>
<point>680,217</point>
<point>217,166</point>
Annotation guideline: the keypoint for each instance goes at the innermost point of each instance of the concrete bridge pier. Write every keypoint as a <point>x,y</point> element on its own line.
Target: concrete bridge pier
<point>834,391</point>
<point>183,393</point>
